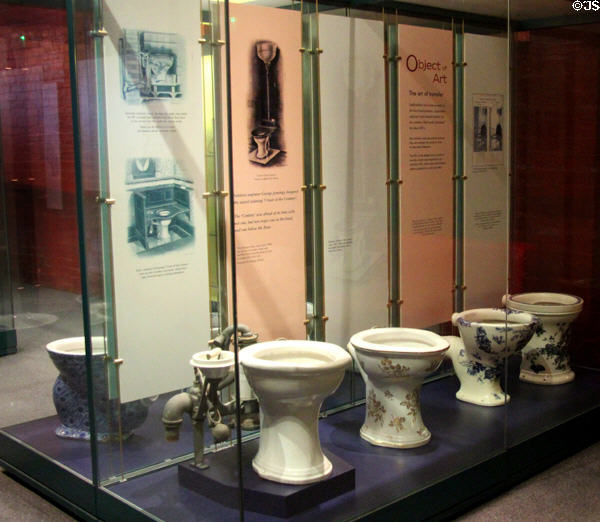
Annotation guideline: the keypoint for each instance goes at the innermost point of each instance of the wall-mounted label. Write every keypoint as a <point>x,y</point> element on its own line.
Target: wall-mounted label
<point>156,175</point>
<point>266,95</point>
<point>485,160</point>
<point>353,137</point>
<point>426,168</point>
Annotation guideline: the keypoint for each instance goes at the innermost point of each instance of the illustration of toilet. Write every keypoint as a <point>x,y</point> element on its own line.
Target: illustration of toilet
<point>488,336</point>
<point>263,153</point>
<point>291,379</point>
<point>546,358</point>
<point>267,125</point>
<point>393,363</point>
<point>164,220</point>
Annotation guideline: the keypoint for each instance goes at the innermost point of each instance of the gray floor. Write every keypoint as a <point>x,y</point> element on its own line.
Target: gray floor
<point>570,490</point>
<point>42,315</point>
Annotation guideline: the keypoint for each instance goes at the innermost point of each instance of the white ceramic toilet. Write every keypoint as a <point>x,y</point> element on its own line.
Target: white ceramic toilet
<point>546,358</point>
<point>393,363</point>
<point>291,379</point>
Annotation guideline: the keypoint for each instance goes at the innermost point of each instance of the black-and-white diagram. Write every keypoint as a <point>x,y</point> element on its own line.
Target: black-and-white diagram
<point>160,205</point>
<point>488,127</point>
<point>151,65</point>
<point>480,128</point>
<point>496,129</point>
<point>266,134</point>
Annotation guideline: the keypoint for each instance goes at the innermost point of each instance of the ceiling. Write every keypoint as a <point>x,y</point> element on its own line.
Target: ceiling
<point>519,9</point>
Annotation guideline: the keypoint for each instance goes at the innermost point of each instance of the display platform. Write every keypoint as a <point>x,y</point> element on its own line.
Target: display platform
<point>471,453</point>
<point>220,482</point>
<point>147,445</point>
<point>466,438</point>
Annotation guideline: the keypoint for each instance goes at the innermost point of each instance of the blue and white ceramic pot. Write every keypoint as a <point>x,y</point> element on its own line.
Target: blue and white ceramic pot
<point>488,337</point>
<point>546,357</point>
<point>70,394</point>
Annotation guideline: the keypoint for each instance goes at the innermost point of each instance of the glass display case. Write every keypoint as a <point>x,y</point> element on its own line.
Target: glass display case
<point>8,334</point>
<point>277,260</point>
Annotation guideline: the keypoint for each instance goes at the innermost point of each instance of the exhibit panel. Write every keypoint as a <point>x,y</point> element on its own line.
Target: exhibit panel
<point>266,133</point>
<point>485,183</point>
<point>425,96</point>
<point>153,92</point>
<point>353,138</point>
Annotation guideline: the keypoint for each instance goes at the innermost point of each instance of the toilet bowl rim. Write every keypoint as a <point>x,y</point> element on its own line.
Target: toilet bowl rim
<point>227,360</point>
<point>516,302</point>
<point>58,346</point>
<point>338,357</point>
<point>438,344</point>
<point>522,318</point>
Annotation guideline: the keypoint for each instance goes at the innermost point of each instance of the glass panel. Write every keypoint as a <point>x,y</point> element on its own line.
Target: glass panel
<point>39,408</point>
<point>8,338</point>
<point>365,192</point>
<point>554,200</point>
<point>353,140</point>
<point>154,206</point>
<point>347,127</point>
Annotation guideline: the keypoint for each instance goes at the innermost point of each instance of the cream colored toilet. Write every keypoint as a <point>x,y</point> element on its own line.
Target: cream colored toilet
<point>291,379</point>
<point>393,363</point>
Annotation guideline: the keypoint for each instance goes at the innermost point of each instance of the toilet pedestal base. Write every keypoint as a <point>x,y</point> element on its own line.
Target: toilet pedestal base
<point>547,377</point>
<point>220,483</point>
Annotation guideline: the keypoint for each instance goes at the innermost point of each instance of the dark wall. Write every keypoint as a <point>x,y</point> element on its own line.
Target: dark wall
<point>556,184</point>
<point>37,147</point>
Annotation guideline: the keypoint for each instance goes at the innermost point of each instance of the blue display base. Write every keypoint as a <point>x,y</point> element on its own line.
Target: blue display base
<point>8,342</point>
<point>220,483</point>
<point>475,452</point>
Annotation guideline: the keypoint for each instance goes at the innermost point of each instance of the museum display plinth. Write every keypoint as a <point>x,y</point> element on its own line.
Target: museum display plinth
<point>220,482</point>
<point>467,459</point>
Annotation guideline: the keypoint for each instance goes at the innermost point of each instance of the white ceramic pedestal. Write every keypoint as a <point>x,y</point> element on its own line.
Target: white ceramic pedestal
<point>290,450</point>
<point>291,379</point>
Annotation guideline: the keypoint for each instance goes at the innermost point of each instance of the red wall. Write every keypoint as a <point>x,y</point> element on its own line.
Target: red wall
<point>37,146</point>
<point>556,184</point>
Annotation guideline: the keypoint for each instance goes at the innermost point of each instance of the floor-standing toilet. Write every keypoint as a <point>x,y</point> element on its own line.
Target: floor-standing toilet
<point>488,336</point>
<point>393,363</point>
<point>70,394</point>
<point>291,379</point>
<point>546,358</point>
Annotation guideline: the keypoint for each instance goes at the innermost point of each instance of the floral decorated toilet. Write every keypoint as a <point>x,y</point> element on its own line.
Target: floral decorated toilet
<point>71,398</point>
<point>393,363</point>
<point>488,336</point>
<point>546,358</point>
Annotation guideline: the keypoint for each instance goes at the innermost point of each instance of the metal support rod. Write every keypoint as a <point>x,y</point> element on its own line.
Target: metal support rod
<point>459,174</point>
<point>393,176</point>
